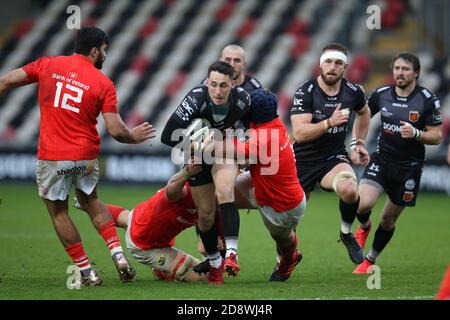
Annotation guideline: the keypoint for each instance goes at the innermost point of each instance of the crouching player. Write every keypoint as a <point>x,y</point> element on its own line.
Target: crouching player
<point>153,225</point>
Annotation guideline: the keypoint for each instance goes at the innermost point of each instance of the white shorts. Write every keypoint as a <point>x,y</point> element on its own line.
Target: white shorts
<point>278,223</point>
<point>55,178</point>
<point>164,259</point>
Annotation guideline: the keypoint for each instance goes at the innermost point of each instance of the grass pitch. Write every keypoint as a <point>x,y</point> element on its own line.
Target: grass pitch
<point>33,263</point>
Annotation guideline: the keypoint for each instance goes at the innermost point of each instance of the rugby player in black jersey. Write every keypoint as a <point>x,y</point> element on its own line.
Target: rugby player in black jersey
<point>235,56</point>
<point>410,119</point>
<point>319,114</point>
<point>222,105</point>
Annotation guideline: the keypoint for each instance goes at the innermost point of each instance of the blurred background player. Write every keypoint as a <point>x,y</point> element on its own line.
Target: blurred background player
<point>319,116</point>
<point>235,56</point>
<point>69,143</point>
<point>271,184</point>
<point>153,225</point>
<point>410,119</point>
<point>222,105</point>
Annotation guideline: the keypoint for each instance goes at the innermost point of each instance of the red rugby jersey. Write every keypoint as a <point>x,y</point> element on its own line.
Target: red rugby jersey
<point>72,93</point>
<point>274,175</point>
<point>157,221</point>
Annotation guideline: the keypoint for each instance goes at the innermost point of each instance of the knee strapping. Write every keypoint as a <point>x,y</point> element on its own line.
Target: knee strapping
<point>342,176</point>
<point>183,267</point>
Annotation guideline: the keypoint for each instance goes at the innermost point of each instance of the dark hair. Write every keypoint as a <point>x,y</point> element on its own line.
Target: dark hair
<point>335,46</point>
<point>221,67</point>
<point>409,57</point>
<point>88,38</point>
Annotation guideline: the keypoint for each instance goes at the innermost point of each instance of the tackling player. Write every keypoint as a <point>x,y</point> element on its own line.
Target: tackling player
<point>271,185</point>
<point>151,228</point>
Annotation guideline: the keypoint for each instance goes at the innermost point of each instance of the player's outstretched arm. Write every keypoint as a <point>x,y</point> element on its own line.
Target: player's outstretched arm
<point>120,132</point>
<point>13,79</point>
<point>175,190</point>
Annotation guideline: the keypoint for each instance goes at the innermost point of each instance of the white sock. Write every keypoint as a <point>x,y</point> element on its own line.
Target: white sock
<point>232,244</point>
<point>115,250</point>
<point>346,227</point>
<point>372,255</point>
<point>215,260</point>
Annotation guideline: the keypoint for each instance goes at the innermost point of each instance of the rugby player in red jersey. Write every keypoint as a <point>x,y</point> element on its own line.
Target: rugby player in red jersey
<point>72,92</point>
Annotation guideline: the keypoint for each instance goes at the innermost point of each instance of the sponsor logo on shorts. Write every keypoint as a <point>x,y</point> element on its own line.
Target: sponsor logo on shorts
<point>408,196</point>
<point>410,184</point>
<point>75,170</point>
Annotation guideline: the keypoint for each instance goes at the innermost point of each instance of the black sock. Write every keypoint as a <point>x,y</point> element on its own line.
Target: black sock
<point>209,239</point>
<point>382,237</point>
<point>348,211</point>
<point>363,218</point>
<point>230,220</point>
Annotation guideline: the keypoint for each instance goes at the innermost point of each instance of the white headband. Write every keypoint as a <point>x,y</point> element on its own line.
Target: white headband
<point>333,55</point>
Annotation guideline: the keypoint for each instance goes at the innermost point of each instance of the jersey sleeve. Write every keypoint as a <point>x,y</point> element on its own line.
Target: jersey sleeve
<point>360,98</point>
<point>110,98</point>
<point>373,103</point>
<point>189,108</point>
<point>433,113</point>
<point>182,117</point>
<point>303,100</point>
<point>34,68</point>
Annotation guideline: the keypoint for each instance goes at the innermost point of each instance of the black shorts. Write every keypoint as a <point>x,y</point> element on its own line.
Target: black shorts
<point>400,184</point>
<point>310,173</point>
<point>202,178</point>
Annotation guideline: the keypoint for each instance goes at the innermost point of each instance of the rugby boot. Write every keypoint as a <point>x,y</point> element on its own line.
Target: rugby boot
<point>126,272</point>
<point>355,252</point>
<point>361,235</point>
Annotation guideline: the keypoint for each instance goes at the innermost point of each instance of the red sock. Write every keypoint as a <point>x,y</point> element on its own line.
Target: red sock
<point>444,291</point>
<point>288,251</point>
<point>114,211</point>
<point>109,234</point>
<point>79,257</point>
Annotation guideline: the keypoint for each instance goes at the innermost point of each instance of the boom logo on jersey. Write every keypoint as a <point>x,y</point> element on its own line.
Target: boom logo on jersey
<point>414,116</point>
<point>390,128</point>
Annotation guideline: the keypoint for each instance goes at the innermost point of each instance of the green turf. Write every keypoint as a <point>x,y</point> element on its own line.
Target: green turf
<point>33,262</point>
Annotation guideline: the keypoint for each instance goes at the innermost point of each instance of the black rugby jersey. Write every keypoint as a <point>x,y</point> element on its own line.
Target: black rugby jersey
<point>310,98</point>
<point>198,104</point>
<point>420,109</point>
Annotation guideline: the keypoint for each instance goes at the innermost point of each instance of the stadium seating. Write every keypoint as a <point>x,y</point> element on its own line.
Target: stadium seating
<point>160,49</point>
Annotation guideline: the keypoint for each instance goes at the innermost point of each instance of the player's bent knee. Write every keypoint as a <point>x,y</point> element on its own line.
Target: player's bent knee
<point>342,176</point>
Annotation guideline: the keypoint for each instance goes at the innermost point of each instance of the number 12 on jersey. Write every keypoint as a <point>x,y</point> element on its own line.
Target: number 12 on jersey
<point>67,96</point>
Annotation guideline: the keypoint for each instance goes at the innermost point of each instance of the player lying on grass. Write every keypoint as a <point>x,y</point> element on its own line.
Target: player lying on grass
<point>153,225</point>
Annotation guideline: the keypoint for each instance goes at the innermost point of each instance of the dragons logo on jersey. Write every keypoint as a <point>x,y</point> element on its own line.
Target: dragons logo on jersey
<point>414,116</point>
